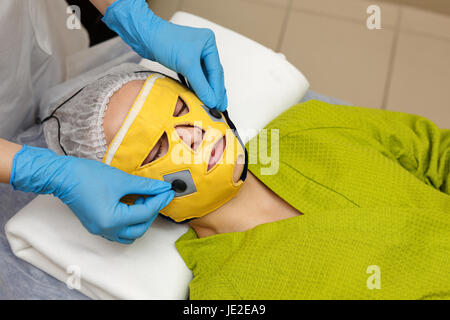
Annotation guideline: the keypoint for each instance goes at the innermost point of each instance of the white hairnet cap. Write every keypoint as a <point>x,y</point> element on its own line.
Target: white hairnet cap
<point>75,124</point>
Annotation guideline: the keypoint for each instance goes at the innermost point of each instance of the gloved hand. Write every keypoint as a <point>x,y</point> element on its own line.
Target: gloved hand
<point>92,190</point>
<point>189,51</point>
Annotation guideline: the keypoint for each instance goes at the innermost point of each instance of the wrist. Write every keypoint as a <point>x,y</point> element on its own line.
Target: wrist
<point>8,150</point>
<point>109,7</point>
<point>13,165</point>
<point>102,5</point>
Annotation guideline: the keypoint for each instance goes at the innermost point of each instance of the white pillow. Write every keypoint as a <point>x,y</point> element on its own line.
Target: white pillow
<point>261,84</point>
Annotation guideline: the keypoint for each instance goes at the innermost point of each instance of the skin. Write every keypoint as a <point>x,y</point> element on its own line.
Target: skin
<point>7,150</point>
<point>101,5</point>
<point>254,204</point>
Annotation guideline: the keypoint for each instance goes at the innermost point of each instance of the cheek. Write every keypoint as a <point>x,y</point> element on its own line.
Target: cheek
<point>238,168</point>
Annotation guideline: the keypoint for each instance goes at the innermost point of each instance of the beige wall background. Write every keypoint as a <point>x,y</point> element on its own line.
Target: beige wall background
<point>404,66</point>
<point>439,6</point>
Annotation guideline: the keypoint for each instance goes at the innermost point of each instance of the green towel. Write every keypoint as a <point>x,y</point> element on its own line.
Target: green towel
<point>374,188</point>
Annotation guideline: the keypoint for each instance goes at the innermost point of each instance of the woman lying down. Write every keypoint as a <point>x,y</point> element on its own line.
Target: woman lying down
<point>359,207</point>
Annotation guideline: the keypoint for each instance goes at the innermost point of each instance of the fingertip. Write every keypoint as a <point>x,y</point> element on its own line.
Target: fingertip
<point>215,76</point>
<point>144,186</point>
<point>152,219</point>
<point>169,197</point>
<point>224,104</point>
<point>160,201</point>
<point>209,100</point>
<point>201,87</point>
<point>151,186</point>
<point>161,185</point>
<point>125,241</point>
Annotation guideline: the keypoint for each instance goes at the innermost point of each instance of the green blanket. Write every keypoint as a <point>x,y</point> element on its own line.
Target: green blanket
<point>374,188</point>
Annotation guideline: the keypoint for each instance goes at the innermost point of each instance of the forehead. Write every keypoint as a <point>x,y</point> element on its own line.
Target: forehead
<point>119,105</point>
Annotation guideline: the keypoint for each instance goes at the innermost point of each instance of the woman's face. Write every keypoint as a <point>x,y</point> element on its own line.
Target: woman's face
<point>119,106</point>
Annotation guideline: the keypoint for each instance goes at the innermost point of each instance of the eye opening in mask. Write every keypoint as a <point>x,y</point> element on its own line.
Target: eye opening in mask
<point>181,108</point>
<point>158,151</point>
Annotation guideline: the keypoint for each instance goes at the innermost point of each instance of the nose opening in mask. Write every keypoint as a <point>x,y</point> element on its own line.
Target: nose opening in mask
<point>217,153</point>
<point>191,135</point>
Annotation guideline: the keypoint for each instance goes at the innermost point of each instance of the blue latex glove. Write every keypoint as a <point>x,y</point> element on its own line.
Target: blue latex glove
<point>92,190</point>
<point>189,51</point>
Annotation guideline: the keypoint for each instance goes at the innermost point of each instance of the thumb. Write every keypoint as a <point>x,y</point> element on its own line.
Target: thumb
<point>215,76</point>
<point>199,83</point>
<point>141,213</point>
<point>144,186</point>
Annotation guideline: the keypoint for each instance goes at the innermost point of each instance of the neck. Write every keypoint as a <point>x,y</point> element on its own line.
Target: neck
<point>253,205</point>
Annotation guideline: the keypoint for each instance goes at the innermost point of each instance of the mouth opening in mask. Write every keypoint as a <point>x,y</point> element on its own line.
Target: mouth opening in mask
<point>216,153</point>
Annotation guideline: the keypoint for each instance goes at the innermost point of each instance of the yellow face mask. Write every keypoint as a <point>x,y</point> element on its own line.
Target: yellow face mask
<point>198,190</point>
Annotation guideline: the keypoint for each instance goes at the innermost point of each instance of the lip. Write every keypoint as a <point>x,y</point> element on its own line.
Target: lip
<point>216,153</point>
